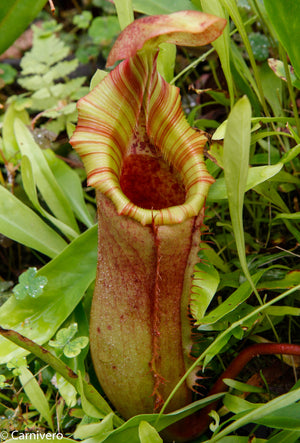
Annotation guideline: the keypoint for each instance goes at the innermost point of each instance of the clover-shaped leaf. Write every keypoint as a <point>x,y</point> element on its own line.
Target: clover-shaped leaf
<point>29,285</point>
<point>71,348</point>
<point>15,363</point>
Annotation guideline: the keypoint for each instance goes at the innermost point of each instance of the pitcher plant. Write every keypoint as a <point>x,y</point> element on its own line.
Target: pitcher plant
<point>147,166</point>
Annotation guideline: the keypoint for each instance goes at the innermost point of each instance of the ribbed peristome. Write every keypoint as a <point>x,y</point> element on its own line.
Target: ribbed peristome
<point>132,95</point>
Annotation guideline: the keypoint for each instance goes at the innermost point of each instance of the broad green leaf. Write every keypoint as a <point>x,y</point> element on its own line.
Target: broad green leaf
<point>46,182</point>
<point>69,275</point>
<point>205,283</point>
<point>98,430</point>
<point>28,180</point>
<point>291,279</point>
<point>166,61</point>
<point>236,166</point>
<point>21,224</point>
<point>154,7</point>
<point>99,75</point>
<point>35,394</point>
<point>29,285</point>
<point>70,183</point>
<point>232,302</point>
<point>237,405</point>
<point>15,17</point>
<point>89,409</point>
<point>125,12</point>
<point>66,390</point>
<point>272,87</point>
<point>284,16</point>
<point>256,176</point>
<point>148,434</point>
<point>128,432</point>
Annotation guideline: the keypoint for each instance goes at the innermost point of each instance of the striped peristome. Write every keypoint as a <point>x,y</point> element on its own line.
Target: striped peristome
<point>132,93</point>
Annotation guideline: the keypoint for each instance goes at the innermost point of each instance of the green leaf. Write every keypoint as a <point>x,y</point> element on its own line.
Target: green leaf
<point>15,17</point>
<point>7,73</point>
<point>35,394</point>
<point>63,340</point>
<point>125,12</point>
<point>236,166</point>
<point>259,45</point>
<point>69,275</point>
<point>63,336</point>
<point>28,180</point>
<point>10,145</point>
<point>232,302</point>
<point>22,225</point>
<point>30,285</point>
<point>284,16</point>
<point>166,61</point>
<point>222,44</point>
<point>83,20</point>
<point>70,183</point>
<point>128,432</point>
<point>238,405</point>
<point>154,7</point>
<point>243,387</point>
<point>148,434</point>
<point>48,186</point>
<point>256,176</point>
<point>285,437</point>
<point>205,283</point>
<point>258,415</point>
<point>104,29</point>
<point>89,391</point>
<point>74,347</point>
<point>98,430</point>
<point>277,66</point>
<point>90,409</point>
<point>46,51</point>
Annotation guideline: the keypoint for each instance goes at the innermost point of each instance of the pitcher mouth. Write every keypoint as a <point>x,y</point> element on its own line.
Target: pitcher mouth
<point>134,102</point>
<point>141,125</point>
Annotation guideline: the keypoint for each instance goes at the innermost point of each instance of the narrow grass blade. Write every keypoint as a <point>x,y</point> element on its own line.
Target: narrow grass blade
<point>222,44</point>
<point>35,394</point>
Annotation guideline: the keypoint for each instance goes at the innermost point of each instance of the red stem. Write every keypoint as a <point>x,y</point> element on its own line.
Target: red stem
<point>197,423</point>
